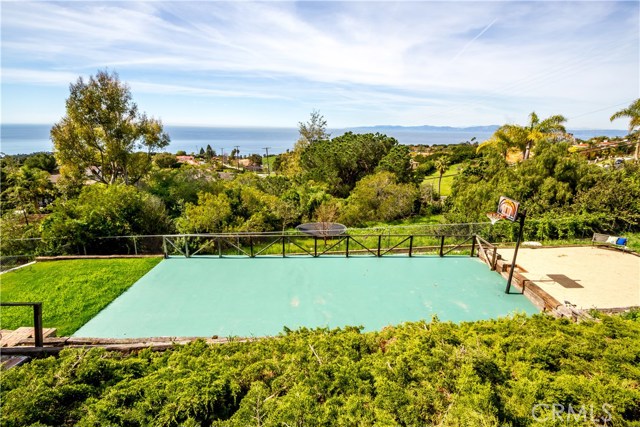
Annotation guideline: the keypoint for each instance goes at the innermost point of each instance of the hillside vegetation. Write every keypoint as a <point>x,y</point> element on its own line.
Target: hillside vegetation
<point>507,372</point>
<point>355,179</point>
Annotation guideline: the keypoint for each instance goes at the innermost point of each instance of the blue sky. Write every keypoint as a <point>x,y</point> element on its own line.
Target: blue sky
<point>360,63</point>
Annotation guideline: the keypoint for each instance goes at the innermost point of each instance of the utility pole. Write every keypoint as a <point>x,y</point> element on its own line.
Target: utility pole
<point>268,167</point>
<point>237,156</point>
<point>222,158</point>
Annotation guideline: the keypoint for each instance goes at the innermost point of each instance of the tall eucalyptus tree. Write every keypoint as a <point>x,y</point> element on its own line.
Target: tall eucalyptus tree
<point>103,134</point>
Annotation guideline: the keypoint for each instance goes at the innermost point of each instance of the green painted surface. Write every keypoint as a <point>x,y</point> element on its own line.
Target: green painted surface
<point>206,296</point>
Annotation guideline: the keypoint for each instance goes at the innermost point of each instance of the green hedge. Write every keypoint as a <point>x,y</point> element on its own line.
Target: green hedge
<point>508,372</point>
<point>554,226</point>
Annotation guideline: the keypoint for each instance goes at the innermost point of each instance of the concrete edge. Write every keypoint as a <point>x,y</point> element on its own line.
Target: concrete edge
<point>18,267</point>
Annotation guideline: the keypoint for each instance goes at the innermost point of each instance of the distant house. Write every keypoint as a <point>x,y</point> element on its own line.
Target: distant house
<point>608,144</point>
<point>249,165</point>
<point>580,147</point>
<point>244,162</point>
<point>190,160</point>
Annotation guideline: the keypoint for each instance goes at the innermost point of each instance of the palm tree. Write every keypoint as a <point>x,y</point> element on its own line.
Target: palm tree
<point>525,137</point>
<point>537,130</point>
<point>504,139</point>
<point>441,164</point>
<point>633,113</point>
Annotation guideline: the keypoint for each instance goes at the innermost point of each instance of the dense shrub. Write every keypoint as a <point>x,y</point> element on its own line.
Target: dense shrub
<point>101,211</point>
<point>344,160</point>
<point>177,187</point>
<point>564,195</point>
<point>505,372</point>
<point>379,197</point>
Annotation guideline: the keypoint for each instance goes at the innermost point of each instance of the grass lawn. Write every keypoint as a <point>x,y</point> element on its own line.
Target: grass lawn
<point>414,220</point>
<point>72,291</point>
<point>447,179</point>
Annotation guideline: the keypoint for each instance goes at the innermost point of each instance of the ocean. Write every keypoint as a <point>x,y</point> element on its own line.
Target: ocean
<point>24,139</point>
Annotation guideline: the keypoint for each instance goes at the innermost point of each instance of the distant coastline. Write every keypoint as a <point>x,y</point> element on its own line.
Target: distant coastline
<point>25,138</point>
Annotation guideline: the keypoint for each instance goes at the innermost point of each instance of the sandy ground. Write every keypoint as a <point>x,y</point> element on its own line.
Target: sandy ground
<point>609,278</point>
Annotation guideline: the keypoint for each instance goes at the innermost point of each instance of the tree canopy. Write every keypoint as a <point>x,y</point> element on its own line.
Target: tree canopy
<point>104,211</point>
<point>525,137</point>
<point>633,113</point>
<point>25,189</point>
<point>379,197</point>
<point>314,130</point>
<point>103,131</point>
<point>344,160</point>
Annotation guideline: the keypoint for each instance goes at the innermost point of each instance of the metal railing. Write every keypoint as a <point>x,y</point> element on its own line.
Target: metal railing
<point>393,239</point>
<point>288,244</point>
<point>488,252</point>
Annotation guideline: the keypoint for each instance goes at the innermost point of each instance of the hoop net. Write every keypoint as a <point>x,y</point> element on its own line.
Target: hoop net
<point>494,217</point>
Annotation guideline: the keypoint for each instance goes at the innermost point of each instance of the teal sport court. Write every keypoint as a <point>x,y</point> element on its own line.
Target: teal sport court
<point>242,296</point>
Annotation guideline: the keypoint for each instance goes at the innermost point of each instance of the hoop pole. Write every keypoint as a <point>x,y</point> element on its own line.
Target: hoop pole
<point>521,216</point>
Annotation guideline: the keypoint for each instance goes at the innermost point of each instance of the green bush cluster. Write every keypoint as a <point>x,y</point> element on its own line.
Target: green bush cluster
<point>355,179</point>
<point>564,195</point>
<point>99,211</point>
<point>553,226</point>
<point>507,372</point>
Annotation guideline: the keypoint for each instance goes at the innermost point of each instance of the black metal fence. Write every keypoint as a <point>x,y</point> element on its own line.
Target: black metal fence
<point>426,238</point>
<point>261,244</point>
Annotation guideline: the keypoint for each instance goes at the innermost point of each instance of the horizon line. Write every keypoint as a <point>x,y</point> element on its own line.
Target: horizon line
<point>219,126</point>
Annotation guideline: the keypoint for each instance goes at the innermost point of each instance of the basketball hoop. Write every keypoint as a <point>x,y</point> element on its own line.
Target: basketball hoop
<point>494,217</point>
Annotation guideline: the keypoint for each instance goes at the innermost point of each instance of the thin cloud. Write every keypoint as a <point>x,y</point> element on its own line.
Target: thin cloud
<point>38,77</point>
<point>484,30</point>
<point>418,57</point>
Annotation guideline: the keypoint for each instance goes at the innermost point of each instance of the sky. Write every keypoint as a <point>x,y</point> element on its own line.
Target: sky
<point>360,63</point>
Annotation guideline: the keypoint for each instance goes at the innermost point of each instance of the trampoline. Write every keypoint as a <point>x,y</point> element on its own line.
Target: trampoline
<point>322,229</point>
<point>241,296</point>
